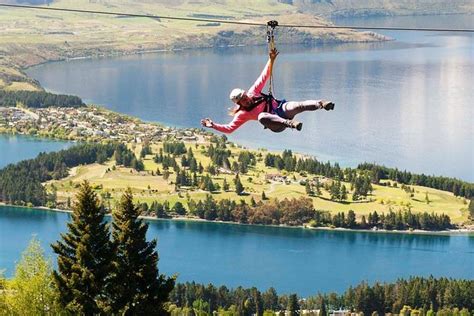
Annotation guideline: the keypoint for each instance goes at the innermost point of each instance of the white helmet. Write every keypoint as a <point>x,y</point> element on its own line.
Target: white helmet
<point>236,95</point>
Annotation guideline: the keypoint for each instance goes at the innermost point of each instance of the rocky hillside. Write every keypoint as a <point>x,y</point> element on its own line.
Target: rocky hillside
<point>328,8</point>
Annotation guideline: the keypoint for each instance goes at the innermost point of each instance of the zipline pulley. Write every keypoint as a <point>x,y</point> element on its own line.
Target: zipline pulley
<point>271,25</point>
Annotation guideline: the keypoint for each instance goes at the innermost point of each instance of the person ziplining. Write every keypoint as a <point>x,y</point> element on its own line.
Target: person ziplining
<point>276,115</point>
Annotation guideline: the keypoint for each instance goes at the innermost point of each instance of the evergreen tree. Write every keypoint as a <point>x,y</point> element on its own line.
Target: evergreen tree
<point>322,310</point>
<point>351,219</point>
<point>225,186</point>
<point>318,187</point>
<point>335,190</point>
<point>84,256</point>
<point>471,209</point>
<point>264,197</point>
<point>293,306</point>
<point>137,287</point>
<point>178,208</point>
<point>270,299</point>
<point>252,202</point>
<point>308,189</point>
<point>343,193</point>
<point>239,188</point>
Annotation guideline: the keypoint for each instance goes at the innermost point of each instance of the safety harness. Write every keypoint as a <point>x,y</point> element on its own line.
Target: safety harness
<point>268,99</point>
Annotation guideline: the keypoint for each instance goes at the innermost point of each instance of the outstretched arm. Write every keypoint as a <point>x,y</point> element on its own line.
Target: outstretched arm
<point>225,128</point>
<point>257,87</point>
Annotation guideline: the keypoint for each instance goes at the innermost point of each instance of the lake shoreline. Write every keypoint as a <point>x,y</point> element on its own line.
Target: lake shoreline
<point>453,232</point>
<point>56,53</point>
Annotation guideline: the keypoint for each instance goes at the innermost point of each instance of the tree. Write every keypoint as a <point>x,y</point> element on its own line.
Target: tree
<point>471,209</point>
<point>293,306</point>
<point>264,197</point>
<point>200,307</point>
<point>270,299</point>
<point>343,193</point>
<point>308,189</point>
<point>137,288</point>
<point>178,208</point>
<point>32,291</point>
<point>257,301</point>
<point>239,188</point>
<point>351,219</point>
<point>355,196</point>
<point>322,310</point>
<point>335,191</point>
<point>318,187</point>
<point>84,257</point>
<point>225,185</point>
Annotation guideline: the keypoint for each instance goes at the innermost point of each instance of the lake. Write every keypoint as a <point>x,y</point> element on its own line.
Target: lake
<point>405,103</point>
<point>14,148</point>
<point>292,260</point>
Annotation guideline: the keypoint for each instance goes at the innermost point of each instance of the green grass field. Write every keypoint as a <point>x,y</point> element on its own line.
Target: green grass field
<point>148,188</point>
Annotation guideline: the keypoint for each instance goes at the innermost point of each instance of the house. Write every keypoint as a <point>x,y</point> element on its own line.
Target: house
<point>276,177</point>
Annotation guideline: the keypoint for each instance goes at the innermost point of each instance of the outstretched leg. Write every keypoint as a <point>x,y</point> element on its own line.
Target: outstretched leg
<point>275,123</point>
<point>292,108</point>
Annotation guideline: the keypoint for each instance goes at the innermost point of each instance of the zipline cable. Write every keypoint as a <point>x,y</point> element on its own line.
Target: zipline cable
<point>152,16</point>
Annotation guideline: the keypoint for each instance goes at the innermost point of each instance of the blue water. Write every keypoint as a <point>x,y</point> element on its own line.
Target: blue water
<point>291,260</point>
<point>14,148</point>
<point>405,103</point>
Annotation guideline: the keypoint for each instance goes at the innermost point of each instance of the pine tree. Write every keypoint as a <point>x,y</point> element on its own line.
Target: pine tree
<point>293,306</point>
<point>323,310</point>
<point>225,185</point>
<point>318,187</point>
<point>351,219</point>
<point>308,189</point>
<point>264,197</point>
<point>84,256</point>
<point>239,188</point>
<point>335,190</point>
<point>137,287</point>
<point>343,193</point>
<point>178,208</point>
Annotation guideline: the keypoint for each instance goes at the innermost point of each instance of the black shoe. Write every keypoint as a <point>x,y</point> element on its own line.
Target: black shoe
<point>327,105</point>
<point>294,124</point>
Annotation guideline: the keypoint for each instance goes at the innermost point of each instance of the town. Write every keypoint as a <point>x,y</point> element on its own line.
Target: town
<point>90,123</point>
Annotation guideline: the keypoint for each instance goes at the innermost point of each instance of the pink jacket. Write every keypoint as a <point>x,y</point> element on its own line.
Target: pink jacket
<point>243,116</point>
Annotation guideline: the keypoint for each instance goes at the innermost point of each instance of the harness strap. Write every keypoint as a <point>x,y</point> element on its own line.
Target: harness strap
<point>268,99</point>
